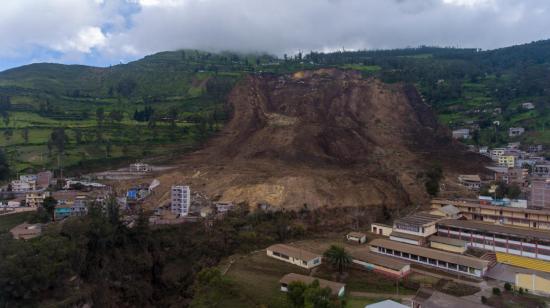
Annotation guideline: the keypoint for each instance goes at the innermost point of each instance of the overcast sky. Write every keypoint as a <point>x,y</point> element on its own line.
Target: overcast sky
<point>103,32</point>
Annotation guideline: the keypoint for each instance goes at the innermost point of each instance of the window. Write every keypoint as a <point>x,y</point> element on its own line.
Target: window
<point>452,266</point>
<point>316,261</point>
<point>463,268</point>
<point>432,261</point>
<point>396,253</point>
<point>406,255</point>
<point>472,270</point>
<point>442,263</point>
<point>389,251</point>
<point>414,257</point>
<point>423,259</point>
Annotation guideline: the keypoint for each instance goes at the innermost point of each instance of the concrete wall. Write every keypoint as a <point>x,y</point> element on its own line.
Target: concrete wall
<point>386,230</point>
<point>446,247</point>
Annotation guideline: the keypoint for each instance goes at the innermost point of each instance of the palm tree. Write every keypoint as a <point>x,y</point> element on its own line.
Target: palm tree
<point>338,257</point>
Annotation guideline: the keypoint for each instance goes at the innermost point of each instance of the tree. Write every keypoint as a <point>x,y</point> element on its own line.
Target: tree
<point>77,135</point>
<point>8,133</point>
<point>25,134</point>
<point>496,291</point>
<point>100,115</point>
<point>4,166</point>
<point>309,296</point>
<point>49,204</point>
<point>116,116</point>
<point>507,286</point>
<point>211,288</point>
<point>338,257</point>
<point>317,297</point>
<point>59,139</point>
<point>295,293</point>
<point>434,175</point>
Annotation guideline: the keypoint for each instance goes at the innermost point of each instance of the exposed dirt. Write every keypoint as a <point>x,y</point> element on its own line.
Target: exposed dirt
<point>321,138</point>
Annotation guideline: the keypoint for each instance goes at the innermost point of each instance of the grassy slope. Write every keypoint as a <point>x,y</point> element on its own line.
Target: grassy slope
<point>170,80</point>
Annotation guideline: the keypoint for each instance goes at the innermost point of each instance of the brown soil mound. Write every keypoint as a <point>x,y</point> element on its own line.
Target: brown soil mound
<point>321,138</point>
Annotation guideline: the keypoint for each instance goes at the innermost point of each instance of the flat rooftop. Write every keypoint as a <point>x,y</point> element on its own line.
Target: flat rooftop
<point>497,229</point>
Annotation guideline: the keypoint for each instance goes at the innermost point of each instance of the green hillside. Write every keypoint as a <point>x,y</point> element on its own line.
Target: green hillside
<point>162,104</point>
<point>172,101</point>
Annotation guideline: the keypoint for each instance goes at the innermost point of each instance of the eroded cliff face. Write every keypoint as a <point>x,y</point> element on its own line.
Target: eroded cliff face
<point>321,138</point>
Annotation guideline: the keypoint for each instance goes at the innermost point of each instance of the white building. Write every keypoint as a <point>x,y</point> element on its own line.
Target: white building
<point>28,178</point>
<point>180,200</point>
<point>22,186</point>
<point>462,133</point>
<point>516,131</point>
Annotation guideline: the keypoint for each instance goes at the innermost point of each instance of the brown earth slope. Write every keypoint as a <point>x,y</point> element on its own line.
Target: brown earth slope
<point>321,138</point>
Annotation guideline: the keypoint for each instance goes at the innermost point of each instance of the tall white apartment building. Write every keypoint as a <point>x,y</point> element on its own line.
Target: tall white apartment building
<point>181,200</point>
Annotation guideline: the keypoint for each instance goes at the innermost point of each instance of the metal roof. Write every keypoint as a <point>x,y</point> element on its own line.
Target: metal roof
<point>431,253</point>
<point>294,252</point>
<point>419,219</point>
<point>498,229</point>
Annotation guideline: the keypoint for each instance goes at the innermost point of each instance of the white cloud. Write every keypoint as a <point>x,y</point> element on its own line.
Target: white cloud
<point>83,41</point>
<point>110,30</point>
<point>471,3</point>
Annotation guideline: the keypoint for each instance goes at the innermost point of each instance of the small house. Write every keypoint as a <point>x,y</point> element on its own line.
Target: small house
<point>356,237</point>
<point>336,288</point>
<point>381,229</point>
<point>462,133</point>
<point>470,181</point>
<point>294,255</point>
<point>515,131</point>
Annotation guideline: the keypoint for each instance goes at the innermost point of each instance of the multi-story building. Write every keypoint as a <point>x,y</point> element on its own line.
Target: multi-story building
<point>542,170</point>
<point>496,153</point>
<point>520,217</point>
<point>22,186</point>
<point>43,179</point>
<point>415,228</point>
<point>35,199</point>
<point>470,181</point>
<point>507,161</point>
<point>28,178</point>
<point>180,200</point>
<point>540,193</point>
<point>498,238</point>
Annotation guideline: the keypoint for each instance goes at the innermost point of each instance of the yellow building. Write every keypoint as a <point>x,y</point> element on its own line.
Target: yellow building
<point>533,282</point>
<point>35,199</point>
<point>507,161</point>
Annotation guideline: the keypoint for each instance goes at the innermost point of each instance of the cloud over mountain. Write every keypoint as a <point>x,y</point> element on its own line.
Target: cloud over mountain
<point>108,31</point>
